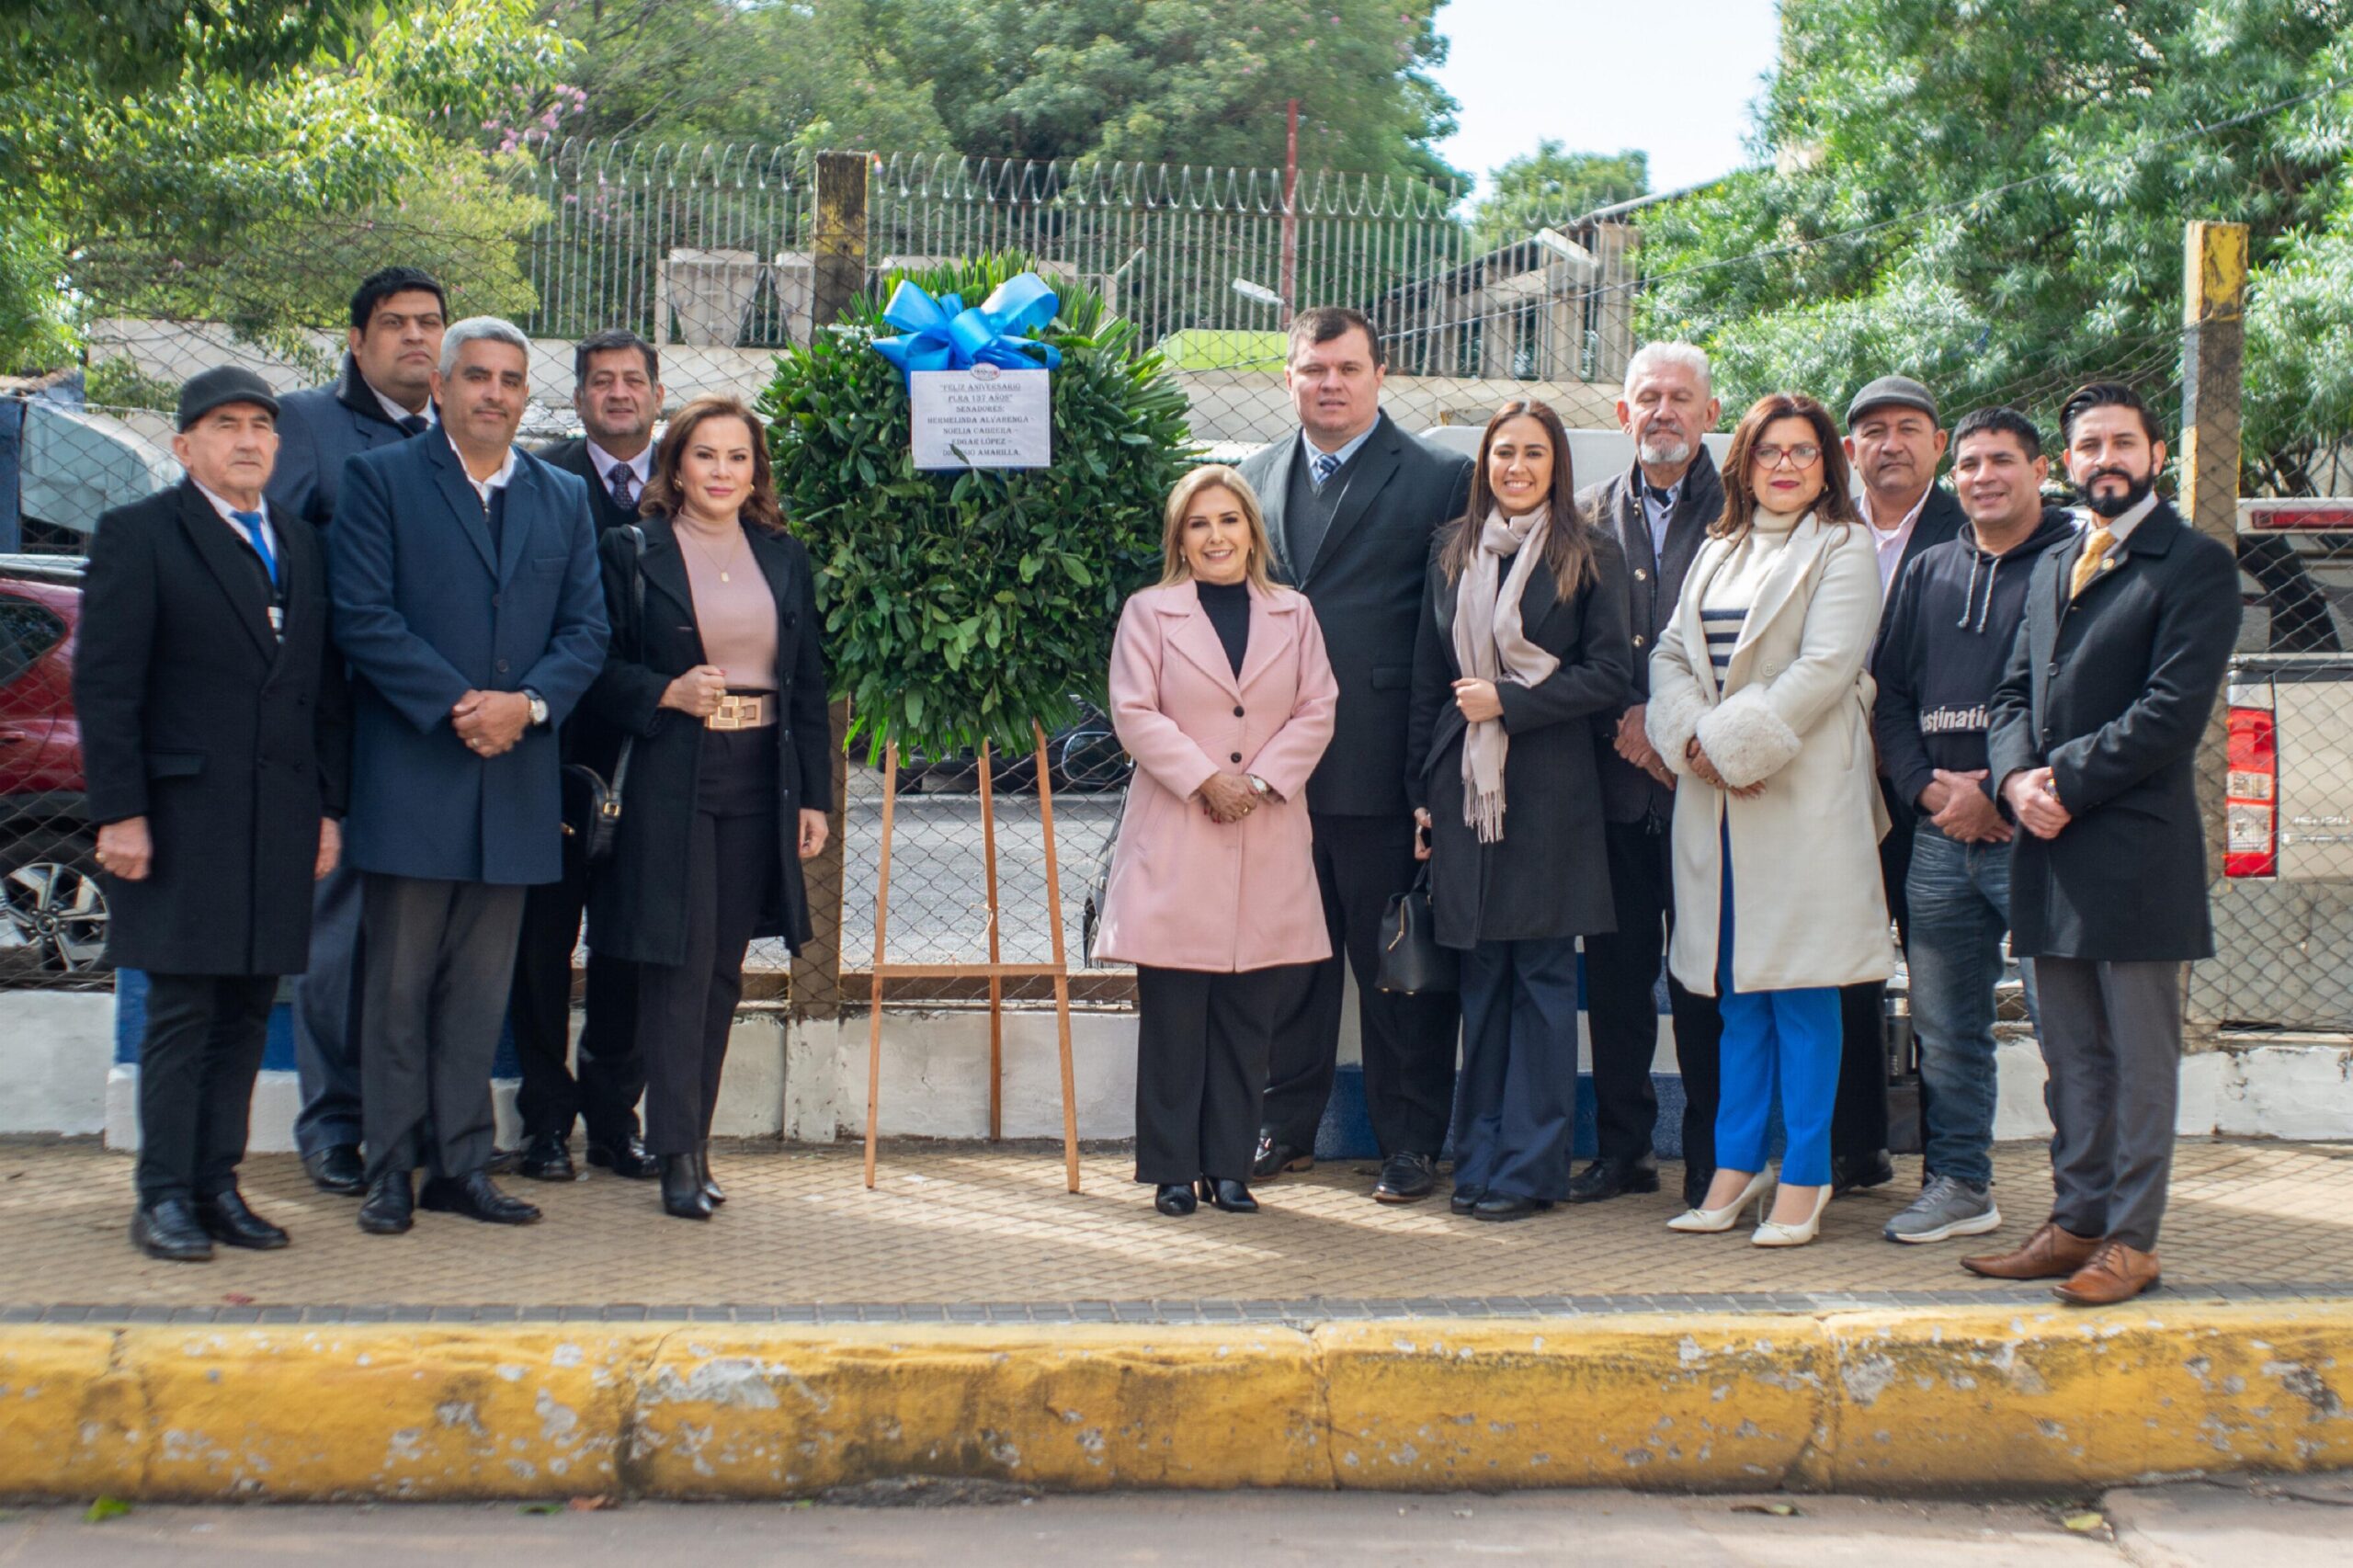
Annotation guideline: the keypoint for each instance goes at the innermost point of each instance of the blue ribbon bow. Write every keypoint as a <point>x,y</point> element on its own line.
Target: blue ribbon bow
<point>941,335</point>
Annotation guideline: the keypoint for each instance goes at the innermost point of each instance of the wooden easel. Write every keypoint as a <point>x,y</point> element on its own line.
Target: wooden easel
<point>997,971</point>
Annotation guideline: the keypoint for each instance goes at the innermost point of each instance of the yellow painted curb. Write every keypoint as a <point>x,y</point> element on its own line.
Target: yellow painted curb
<point>1867,1400</point>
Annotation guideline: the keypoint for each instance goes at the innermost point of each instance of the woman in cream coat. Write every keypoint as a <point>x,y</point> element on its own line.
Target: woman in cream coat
<point>1760,703</point>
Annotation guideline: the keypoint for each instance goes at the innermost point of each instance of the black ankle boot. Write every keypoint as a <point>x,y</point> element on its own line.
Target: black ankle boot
<point>710,1187</point>
<point>1175,1198</point>
<point>682,1194</point>
<point>1228,1195</point>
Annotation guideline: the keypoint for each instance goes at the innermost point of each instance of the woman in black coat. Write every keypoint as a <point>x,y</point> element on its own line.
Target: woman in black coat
<point>1523,639</point>
<point>722,680</point>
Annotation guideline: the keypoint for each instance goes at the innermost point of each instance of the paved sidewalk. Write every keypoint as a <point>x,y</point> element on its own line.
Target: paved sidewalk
<point>980,1234</point>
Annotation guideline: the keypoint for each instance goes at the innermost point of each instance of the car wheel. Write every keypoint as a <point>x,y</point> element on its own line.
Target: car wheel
<point>52,903</point>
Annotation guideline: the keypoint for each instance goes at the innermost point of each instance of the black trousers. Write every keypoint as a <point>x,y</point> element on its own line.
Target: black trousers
<point>684,1010</point>
<point>1202,1044</point>
<point>197,1065</point>
<point>612,1075</point>
<point>1408,1041</point>
<point>1859,1125</point>
<point>439,960</point>
<point>1622,972</point>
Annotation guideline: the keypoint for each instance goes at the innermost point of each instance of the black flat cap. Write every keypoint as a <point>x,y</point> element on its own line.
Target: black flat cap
<point>219,386</point>
<point>1902,391</point>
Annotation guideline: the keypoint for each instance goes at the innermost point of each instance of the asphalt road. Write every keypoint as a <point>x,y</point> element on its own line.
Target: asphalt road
<point>2296,1523</point>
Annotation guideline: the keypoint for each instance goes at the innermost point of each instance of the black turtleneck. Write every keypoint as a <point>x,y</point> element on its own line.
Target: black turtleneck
<point>1228,607</point>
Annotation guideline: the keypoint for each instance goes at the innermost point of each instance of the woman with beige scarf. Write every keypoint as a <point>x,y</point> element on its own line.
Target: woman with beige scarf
<point>1523,639</point>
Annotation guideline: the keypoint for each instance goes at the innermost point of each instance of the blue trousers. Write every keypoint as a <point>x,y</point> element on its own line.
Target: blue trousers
<point>1516,1110</point>
<point>1960,895</point>
<point>327,1018</point>
<point>1789,1039</point>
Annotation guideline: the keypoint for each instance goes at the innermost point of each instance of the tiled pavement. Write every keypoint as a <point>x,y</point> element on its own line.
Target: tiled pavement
<point>979,1234</point>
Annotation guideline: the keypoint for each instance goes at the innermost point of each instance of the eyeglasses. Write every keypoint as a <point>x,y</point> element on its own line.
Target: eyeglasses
<point>1798,457</point>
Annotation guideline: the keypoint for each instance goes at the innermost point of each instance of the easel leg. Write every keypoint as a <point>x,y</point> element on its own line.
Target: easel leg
<point>996,982</point>
<point>881,924</point>
<point>1061,965</point>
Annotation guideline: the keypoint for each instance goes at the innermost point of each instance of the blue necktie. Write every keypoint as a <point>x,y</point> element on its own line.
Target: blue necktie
<point>1327,465</point>
<point>251,523</point>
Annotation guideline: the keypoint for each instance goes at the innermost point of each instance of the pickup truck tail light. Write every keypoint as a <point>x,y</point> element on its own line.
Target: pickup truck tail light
<point>2251,797</point>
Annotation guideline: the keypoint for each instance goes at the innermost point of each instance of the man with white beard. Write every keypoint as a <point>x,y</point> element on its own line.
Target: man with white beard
<point>1658,511</point>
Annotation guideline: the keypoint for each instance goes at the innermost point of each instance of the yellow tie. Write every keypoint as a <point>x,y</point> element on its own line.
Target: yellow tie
<point>2097,545</point>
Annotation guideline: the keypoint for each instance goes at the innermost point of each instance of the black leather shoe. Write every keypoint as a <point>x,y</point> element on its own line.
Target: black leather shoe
<point>477,1198</point>
<point>336,1169</point>
<point>502,1161</point>
<point>546,1157</point>
<point>1465,1198</point>
<point>1852,1173</point>
<point>170,1231</point>
<point>391,1205</point>
<point>1697,1179</point>
<point>227,1221</point>
<point>682,1194</point>
<point>628,1159</point>
<point>710,1187</point>
<point>1274,1157</point>
<point>1606,1179</point>
<point>1406,1178</point>
<point>1509,1206</point>
<point>1230,1195</point>
<point>1175,1198</point>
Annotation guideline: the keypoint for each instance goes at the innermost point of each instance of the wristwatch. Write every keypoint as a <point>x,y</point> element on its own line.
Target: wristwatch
<point>538,708</point>
<point>1259,786</point>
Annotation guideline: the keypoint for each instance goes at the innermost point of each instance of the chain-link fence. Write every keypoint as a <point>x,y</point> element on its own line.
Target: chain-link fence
<point>720,255</point>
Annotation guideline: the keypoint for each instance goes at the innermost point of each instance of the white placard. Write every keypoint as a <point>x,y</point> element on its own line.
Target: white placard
<point>984,417</point>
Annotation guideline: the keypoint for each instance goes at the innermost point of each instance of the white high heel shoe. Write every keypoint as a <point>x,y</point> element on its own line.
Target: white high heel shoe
<point>1709,1220</point>
<point>1773,1234</point>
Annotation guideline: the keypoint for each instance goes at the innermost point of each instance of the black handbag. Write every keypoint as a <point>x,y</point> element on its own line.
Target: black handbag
<point>1412,963</point>
<point>592,806</point>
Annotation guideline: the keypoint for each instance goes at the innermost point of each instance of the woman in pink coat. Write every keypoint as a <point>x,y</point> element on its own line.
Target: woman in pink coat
<point>1221,693</point>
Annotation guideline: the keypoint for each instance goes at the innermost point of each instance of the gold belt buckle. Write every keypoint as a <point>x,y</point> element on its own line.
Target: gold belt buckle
<point>736,712</point>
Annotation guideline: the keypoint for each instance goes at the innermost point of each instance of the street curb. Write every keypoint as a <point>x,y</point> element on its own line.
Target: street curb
<point>1876,1400</point>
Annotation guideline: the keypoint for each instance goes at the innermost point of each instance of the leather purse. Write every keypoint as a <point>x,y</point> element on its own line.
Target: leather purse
<point>1412,963</point>
<point>592,805</point>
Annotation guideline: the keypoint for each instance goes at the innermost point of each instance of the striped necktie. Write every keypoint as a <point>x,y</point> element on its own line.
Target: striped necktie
<point>1327,465</point>
<point>2097,545</point>
<point>251,523</point>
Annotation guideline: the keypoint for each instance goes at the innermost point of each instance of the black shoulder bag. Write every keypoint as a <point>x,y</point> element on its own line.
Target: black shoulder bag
<point>592,808</point>
<point>1412,963</point>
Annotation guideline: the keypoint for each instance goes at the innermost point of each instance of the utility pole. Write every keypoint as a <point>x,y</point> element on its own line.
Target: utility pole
<point>1290,214</point>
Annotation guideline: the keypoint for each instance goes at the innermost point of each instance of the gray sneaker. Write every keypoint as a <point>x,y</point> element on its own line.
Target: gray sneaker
<point>1946,1208</point>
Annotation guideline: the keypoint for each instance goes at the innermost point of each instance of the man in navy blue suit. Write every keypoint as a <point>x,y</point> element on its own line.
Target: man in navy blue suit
<point>467,599</point>
<point>384,395</point>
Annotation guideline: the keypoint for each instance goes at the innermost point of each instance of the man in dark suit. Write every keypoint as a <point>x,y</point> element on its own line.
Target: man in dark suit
<point>217,745</point>
<point>617,391</point>
<point>468,602</point>
<point>1896,442</point>
<point>2096,727</point>
<point>384,395</point>
<point>1350,503</point>
<point>1659,511</point>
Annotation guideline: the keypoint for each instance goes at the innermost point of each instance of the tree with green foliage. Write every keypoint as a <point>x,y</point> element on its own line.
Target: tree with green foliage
<point>1990,197</point>
<point>962,606</point>
<point>1552,183</point>
<point>1182,81</point>
<point>153,146</point>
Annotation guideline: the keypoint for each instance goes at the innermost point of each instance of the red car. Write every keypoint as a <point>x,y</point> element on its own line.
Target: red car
<point>52,907</point>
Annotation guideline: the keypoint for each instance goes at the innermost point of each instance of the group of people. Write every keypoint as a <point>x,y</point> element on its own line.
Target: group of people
<point>1767,722</point>
<point>334,685</point>
<point>330,687</point>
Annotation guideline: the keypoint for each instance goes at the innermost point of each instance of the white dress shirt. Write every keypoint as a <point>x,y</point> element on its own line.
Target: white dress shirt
<point>396,414</point>
<point>1891,541</point>
<point>482,487</point>
<point>1310,450</point>
<point>270,537</point>
<point>641,467</point>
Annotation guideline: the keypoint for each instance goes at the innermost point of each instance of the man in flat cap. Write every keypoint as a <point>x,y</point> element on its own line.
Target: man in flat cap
<point>216,741</point>
<point>1895,443</point>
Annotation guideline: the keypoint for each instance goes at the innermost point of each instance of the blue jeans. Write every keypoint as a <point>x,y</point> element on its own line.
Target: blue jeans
<point>1789,1039</point>
<point>1960,895</point>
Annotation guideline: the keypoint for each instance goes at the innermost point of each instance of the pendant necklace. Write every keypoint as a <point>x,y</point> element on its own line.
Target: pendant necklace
<point>724,566</point>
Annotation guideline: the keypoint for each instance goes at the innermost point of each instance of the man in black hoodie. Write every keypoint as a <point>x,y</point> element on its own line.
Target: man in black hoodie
<point>1943,642</point>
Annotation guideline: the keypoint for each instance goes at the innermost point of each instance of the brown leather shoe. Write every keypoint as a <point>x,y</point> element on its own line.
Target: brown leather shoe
<point>2050,1253</point>
<point>2116,1273</point>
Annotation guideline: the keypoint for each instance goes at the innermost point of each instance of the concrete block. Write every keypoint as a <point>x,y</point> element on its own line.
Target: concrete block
<point>54,1048</point>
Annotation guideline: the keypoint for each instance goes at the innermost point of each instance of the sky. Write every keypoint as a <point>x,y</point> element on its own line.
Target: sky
<point>1673,78</point>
